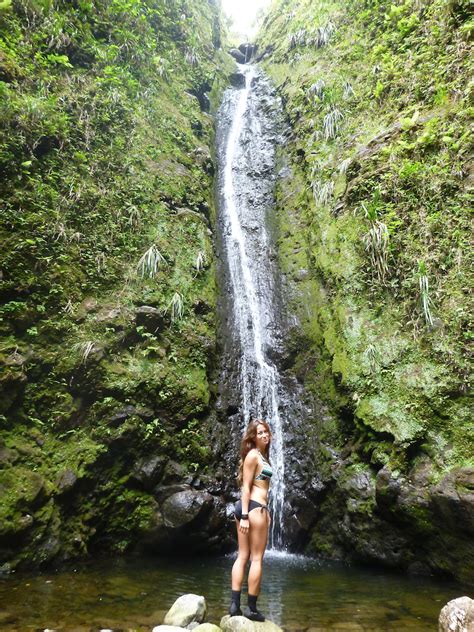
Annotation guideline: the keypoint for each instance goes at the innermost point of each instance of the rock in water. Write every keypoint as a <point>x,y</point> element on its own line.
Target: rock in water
<point>185,610</point>
<point>237,55</point>
<point>247,50</point>
<point>242,624</point>
<point>457,616</point>
<point>237,79</point>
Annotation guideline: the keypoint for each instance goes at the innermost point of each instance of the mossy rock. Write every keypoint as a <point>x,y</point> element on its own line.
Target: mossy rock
<point>22,491</point>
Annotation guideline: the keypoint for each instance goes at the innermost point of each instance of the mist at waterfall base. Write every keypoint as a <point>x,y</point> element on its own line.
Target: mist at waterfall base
<point>298,594</point>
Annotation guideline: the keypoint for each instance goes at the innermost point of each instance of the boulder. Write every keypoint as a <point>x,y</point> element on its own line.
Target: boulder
<point>186,610</point>
<point>118,417</point>
<point>457,616</point>
<point>200,93</point>
<point>150,318</point>
<point>66,481</point>
<point>167,628</point>
<point>248,50</point>
<point>7,456</point>
<point>183,507</point>
<point>207,627</point>
<point>110,316</point>
<point>453,500</point>
<point>237,79</point>
<point>237,55</point>
<point>148,470</point>
<point>173,473</point>
<point>242,624</point>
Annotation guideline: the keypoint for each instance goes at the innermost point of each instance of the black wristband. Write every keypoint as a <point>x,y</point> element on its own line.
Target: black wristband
<point>244,517</point>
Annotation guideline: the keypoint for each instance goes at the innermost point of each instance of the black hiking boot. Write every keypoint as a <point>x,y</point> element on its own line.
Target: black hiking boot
<point>253,615</point>
<point>234,610</point>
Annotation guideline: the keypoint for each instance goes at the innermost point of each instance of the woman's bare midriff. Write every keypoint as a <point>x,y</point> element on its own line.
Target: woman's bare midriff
<point>259,493</point>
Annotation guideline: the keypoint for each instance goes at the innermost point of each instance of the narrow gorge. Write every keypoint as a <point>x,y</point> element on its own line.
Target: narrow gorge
<point>188,242</point>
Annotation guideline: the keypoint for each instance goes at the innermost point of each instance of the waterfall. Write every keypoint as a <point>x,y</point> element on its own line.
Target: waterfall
<point>246,149</point>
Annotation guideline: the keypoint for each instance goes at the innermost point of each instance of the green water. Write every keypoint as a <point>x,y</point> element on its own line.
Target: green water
<point>297,593</point>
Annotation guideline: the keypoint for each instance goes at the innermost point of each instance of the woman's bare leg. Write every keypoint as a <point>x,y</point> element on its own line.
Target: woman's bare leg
<point>240,563</point>
<point>258,535</point>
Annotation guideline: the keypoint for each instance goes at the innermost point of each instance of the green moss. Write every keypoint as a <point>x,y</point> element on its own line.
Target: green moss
<point>373,347</point>
<point>21,490</point>
<point>373,240</point>
<point>106,153</point>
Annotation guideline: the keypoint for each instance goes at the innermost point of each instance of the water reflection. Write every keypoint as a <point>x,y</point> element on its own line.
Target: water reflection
<point>298,593</point>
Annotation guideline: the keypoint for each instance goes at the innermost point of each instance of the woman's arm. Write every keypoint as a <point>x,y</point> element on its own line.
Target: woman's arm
<point>250,466</point>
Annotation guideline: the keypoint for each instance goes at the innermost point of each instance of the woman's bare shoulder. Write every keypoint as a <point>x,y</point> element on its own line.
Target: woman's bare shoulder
<point>252,455</point>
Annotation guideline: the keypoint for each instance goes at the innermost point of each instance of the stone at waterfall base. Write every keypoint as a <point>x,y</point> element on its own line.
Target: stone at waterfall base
<point>242,624</point>
<point>202,627</point>
<point>186,609</point>
<point>457,616</point>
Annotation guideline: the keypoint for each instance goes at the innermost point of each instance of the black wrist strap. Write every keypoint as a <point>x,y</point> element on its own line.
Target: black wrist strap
<point>244,517</point>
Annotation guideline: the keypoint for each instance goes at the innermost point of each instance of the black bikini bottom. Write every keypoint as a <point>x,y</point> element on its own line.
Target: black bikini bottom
<point>253,504</point>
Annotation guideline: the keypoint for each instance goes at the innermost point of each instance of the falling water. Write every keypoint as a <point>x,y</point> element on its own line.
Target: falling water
<point>247,158</point>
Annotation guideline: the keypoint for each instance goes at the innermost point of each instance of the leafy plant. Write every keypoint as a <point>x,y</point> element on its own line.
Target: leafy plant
<point>348,90</point>
<point>200,261</point>
<point>322,191</point>
<point>68,308</point>
<point>323,34</point>
<point>317,88</point>
<point>176,307</point>
<point>376,242</point>
<point>297,38</point>
<point>371,355</point>
<point>191,56</point>
<point>85,348</point>
<point>425,298</point>
<point>344,165</point>
<point>150,262</point>
<point>331,123</point>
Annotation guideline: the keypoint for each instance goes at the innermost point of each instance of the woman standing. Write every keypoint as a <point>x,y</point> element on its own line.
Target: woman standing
<point>252,516</point>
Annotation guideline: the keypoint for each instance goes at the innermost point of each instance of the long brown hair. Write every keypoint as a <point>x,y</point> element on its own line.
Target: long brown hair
<point>249,442</point>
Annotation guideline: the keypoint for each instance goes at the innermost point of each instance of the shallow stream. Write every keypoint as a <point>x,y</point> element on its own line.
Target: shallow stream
<point>298,594</point>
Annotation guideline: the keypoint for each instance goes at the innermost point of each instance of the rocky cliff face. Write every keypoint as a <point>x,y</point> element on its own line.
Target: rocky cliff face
<point>106,234</point>
<point>372,199</point>
<point>107,278</point>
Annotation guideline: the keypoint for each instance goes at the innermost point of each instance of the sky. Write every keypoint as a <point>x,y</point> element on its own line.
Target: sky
<point>243,14</point>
